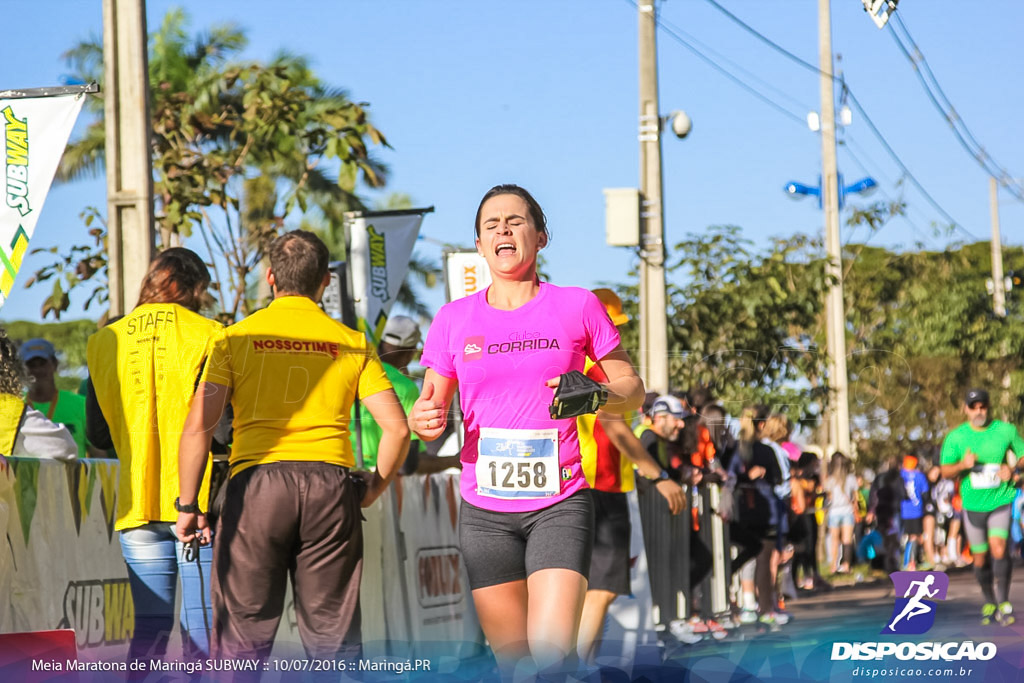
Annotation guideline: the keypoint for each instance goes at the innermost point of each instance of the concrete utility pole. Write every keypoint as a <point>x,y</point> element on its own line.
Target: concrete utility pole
<point>653,301</point>
<point>835,312</point>
<point>129,168</point>
<point>998,286</point>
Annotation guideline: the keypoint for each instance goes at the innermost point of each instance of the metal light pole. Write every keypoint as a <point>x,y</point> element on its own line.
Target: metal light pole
<point>653,300</point>
<point>129,168</point>
<point>835,329</point>
<point>998,286</point>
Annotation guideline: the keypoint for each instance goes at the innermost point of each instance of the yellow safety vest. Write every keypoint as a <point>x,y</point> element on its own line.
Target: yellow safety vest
<point>12,408</point>
<point>144,369</point>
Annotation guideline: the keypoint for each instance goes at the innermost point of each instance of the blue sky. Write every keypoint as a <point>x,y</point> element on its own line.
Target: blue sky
<point>544,94</point>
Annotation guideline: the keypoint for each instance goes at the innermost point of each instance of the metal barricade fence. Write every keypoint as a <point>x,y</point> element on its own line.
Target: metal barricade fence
<point>667,548</point>
<point>671,548</point>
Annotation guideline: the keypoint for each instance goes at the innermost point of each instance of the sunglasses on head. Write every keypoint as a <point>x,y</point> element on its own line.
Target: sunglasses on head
<point>978,406</point>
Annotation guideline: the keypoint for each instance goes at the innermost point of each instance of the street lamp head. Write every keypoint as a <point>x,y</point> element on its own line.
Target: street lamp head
<point>813,121</point>
<point>845,115</point>
<point>798,190</point>
<point>681,123</point>
<point>862,186</point>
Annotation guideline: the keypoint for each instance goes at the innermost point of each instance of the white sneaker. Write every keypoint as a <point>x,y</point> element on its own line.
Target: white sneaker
<point>782,618</point>
<point>683,632</point>
<point>748,616</point>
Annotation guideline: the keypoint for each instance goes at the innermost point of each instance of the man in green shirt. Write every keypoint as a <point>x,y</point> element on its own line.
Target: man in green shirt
<point>984,455</point>
<point>398,346</point>
<point>62,407</point>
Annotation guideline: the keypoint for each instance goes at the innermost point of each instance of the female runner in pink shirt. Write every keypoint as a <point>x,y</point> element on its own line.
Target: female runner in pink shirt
<point>526,522</point>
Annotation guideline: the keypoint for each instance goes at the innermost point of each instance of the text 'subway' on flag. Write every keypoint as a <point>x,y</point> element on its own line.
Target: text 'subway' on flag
<point>381,244</point>
<point>35,131</point>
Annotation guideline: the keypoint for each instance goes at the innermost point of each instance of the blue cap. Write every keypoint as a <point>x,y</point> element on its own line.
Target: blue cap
<point>36,348</point>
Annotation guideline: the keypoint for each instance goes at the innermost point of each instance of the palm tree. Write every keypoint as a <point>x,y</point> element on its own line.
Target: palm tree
<point>236,146</point>
<point>176,64</point>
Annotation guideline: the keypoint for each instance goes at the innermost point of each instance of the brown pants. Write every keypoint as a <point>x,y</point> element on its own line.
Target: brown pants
<point>288,519</point>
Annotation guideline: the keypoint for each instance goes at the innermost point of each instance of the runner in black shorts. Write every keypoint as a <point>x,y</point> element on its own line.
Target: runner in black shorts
<point>526,522</point>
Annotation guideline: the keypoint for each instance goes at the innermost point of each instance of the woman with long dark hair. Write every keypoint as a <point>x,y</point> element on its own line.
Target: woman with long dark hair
<point>143,370</point>
<point>757,522</point>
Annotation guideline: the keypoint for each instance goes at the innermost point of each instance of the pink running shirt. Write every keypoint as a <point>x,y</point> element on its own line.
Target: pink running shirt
<point>502,359</point>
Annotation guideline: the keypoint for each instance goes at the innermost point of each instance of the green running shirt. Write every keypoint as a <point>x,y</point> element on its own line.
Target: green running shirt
<point>979,492</point>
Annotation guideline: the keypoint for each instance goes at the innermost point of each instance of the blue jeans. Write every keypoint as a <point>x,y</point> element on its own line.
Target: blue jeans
<point>155,558</point>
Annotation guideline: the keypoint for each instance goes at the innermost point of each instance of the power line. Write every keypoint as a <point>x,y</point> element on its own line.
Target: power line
<point>921,233</point>
<point>722,58</point>
<point>878,134</point>
<point>856,151</point>
<point>765,39</point>
<point>903,167</point>
<point>676,35</point>
<point>934,92</point>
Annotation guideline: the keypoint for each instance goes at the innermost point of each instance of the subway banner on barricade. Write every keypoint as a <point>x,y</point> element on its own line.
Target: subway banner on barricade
<point>465,273</point>
<point>35,131</point>
<point>61,567</point>
<point>380,244</point>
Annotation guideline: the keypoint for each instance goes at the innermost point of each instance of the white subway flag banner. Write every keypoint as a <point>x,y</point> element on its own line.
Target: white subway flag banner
<point>381,244</point>
<point>35,132</point>
<point>466,273</point>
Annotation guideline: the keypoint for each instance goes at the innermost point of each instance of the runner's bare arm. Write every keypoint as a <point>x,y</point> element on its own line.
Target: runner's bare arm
<point>625,388</point>
<point>954,470</point>
<point>429,415</point>
<point>625,441</point>
<point>387,412</point>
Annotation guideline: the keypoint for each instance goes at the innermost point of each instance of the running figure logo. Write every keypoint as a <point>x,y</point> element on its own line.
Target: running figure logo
<point>914,611</point>
<point>473,348</point>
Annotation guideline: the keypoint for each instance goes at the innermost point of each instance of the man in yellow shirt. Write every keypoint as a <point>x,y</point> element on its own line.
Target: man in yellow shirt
<point>292,505</point>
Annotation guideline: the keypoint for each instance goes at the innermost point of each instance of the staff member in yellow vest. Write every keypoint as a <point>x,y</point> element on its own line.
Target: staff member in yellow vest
<point>143,370</point>
<point>24,431</point>
<point>609,451</point>
<point>291,374</point>
<point>63,407</point>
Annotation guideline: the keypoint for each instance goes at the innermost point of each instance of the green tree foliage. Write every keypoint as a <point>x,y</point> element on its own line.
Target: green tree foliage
<point>920,332</point>
<point>745,322</point>
<point>748,323</point>
<point>238,147</point>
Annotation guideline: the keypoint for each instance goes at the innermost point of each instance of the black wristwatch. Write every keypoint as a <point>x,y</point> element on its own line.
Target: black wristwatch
<point>662,476</point>
<point>193,508</point>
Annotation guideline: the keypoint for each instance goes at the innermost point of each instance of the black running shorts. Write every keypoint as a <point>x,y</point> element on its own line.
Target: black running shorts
<point>500,547</point>
<point>913,526</point>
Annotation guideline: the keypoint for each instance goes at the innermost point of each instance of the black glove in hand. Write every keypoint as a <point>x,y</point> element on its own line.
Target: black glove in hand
<point>576,395</point>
